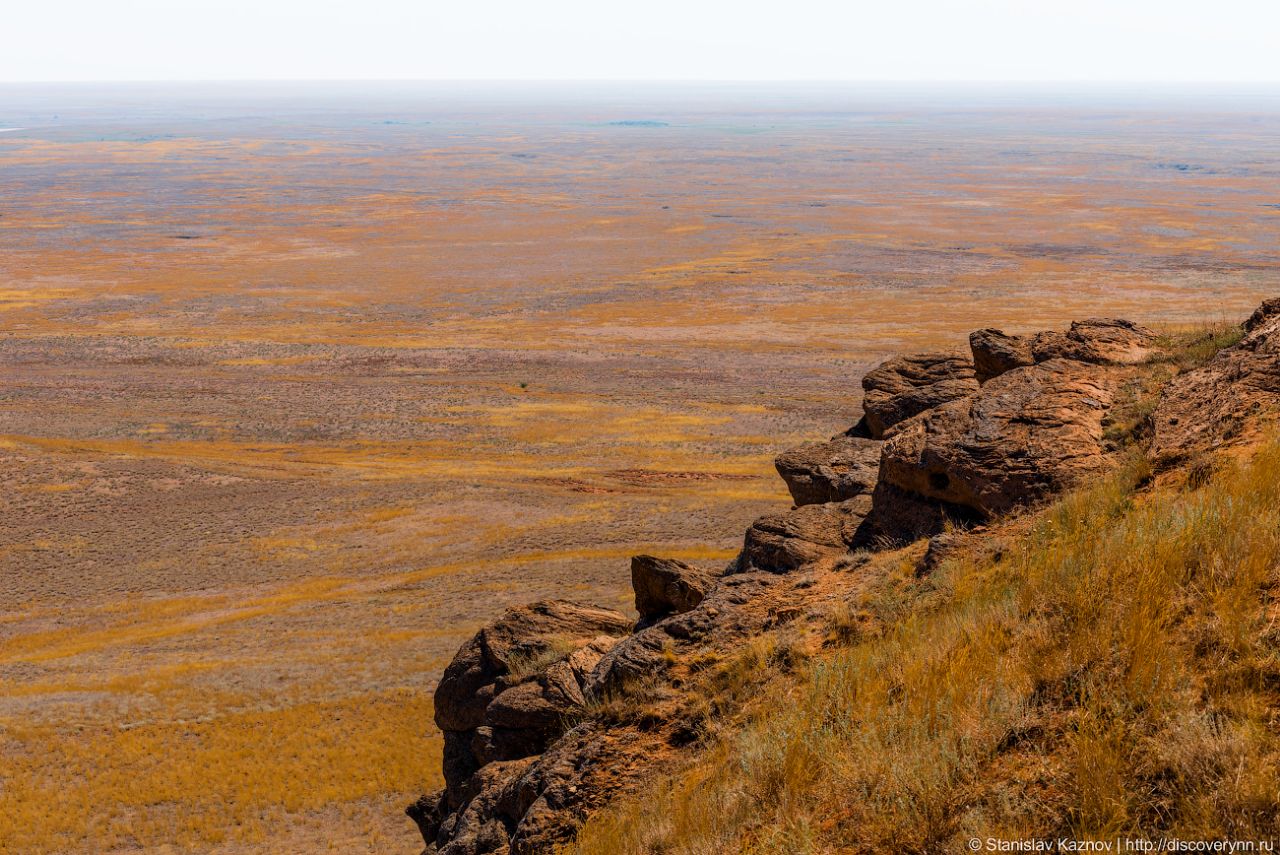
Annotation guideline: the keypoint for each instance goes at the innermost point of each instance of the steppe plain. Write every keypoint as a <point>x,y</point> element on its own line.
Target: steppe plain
<point>300,386</point>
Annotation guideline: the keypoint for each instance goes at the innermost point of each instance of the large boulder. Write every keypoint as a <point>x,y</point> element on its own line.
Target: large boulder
<point>523,634</point>
<point>900,516</point>
<point>1100,341</point>
<point>665,586</point>
<point>833,471</point>
<point>1027,434</point>
<point>781,543</point>
<point>513,687</point>
<point>905,386</point>
<point>1210,406</point>
<point>995,352</point>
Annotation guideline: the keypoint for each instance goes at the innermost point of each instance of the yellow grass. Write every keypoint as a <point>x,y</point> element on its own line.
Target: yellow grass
<point>198,783</point>
<point>1114,672</point>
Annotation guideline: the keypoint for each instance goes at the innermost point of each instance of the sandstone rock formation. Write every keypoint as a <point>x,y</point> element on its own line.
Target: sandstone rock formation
<point>665,586</point>
<point>907,385</point>
<point>1100,341</point>
<point>950,442</point>
<point>531,804</point>
<point>1028,433</point>
<point>780,543</point>
<point>995,352</point>
<point>841,468</point>
<point>1210,406</point>
<point>505,696</point>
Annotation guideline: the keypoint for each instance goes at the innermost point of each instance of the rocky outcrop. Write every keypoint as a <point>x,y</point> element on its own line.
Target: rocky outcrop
<point>665,586</point>
<point>725,617</point>
<point>839,469</point>
<point>506,695</point>
<point>945,444</point>
<point>907,385</point>
<point>534,803</point>
<point>1212,406</point>
<point>1030,432</point>
<point>524,806</point>
<point>995,352</point>
<point>781,543</point>
<point>494,658</point>
<point>899,516</point>
<point>1100,341</point>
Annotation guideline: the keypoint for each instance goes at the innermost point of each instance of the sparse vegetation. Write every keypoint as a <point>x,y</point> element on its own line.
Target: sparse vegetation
<point>1112,671</point>
<point>1189,347</point>
<point>292,464</point>
<point>555,650</point>
<point>231,778</point>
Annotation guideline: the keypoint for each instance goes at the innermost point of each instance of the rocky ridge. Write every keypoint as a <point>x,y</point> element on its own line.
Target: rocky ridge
<point>948,443</point>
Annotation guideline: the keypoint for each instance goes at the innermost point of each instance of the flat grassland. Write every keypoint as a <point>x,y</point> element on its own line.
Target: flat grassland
<point>299,388</point>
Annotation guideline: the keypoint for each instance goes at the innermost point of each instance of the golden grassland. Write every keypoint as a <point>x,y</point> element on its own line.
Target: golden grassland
<point>390,381</point>
<point>1109,667</point>
<point>233,778</point>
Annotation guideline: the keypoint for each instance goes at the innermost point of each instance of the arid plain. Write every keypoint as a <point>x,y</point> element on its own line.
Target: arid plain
<point>297,387</point>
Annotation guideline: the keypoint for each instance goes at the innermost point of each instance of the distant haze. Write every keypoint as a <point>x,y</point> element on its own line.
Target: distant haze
<point>909,40</point>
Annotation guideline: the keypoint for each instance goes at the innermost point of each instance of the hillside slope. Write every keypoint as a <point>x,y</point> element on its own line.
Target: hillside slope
<point>1031,594</point>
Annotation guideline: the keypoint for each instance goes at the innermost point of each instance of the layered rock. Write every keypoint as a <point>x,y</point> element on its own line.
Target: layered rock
<point>950,442</point>
<point>907,385</point>
<point>995,352</point>
<point>1029,433</point>
<point>1206,408</point>
<point>508,693</point>
<point>899,516</point>
<point>1100,341</point>
<point>665,586</point>
<point>781,543</point>
<point>533,804</point>
<point>490,662</point>
<point>724,617</point>
<point>839,469</point>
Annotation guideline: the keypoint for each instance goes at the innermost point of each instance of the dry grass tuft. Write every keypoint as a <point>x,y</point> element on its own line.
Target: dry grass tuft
<point>1192,347</point>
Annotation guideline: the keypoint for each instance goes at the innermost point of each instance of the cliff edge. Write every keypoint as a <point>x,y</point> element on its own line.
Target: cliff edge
<point>558,708</point>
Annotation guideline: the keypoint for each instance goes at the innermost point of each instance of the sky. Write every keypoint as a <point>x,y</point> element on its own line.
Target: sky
<point>863,40</point>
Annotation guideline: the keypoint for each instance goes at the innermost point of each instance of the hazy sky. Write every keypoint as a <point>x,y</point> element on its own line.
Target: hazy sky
<point>1077,40</point>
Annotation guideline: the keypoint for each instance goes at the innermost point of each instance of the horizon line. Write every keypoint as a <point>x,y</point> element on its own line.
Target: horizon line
<point>667,80</point>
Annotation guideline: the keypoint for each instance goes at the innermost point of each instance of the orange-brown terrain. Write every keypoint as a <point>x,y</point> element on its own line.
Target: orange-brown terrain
<point>299,388</point>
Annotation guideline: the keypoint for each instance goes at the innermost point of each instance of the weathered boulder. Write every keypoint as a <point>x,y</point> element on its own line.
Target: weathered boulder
<point>1027,434</point>
<point>522,634</point>
<point>485,823</point>
<point>1100,341</point>
<point>512,688</point>
<point>900,516</point>
<point>526,806</point>
<point>995,352</point>
<point>722,615</point>
<point>904,386</point>
<point>534,804</point>
<point>833,471</point>
<point>510,691</point>
<point>666,586</point>
<point>1216,403</point>
<point>781,543</point>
